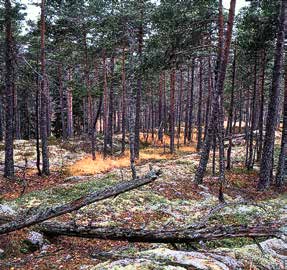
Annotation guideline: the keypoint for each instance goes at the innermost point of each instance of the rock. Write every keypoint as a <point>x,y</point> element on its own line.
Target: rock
<point>2,253</point>
<point>35,239</point>
<point>6,210</point>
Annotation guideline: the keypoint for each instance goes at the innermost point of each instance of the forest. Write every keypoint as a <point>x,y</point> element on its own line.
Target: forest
<point>143,134</point>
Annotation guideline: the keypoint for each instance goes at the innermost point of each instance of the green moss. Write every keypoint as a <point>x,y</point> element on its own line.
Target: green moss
<point>59,195</point>
<point>230,243</point>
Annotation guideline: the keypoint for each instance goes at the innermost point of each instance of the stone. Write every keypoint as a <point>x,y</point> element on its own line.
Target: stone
<point>36,238</point>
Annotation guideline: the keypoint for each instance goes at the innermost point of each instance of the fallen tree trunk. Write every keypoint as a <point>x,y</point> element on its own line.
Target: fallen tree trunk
<point>23,220</point>
<point>161,236</point>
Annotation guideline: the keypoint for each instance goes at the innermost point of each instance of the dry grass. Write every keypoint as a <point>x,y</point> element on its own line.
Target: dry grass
<point>155,152</point>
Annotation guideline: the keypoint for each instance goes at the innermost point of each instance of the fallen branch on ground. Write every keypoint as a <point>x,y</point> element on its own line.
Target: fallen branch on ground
<point>23,220</point>
<point>161,236</point>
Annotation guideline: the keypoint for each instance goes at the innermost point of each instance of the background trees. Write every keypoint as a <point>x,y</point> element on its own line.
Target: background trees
<point>140,69</point>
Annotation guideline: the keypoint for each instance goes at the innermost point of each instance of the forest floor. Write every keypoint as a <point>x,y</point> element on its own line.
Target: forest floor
<point>171,202</point>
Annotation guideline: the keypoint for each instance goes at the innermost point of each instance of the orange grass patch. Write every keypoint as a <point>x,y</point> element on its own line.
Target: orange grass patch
<point>88,166</point>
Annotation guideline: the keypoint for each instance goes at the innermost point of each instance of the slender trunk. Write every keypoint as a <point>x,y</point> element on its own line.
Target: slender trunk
<point>111,107</point>
<point>17,128</point>
<point>281,167</point>
<point>172,90</point>
<point>105,116</point>
<point>217,104</point>
<point>123,101</point>
<point>139,88</point>
<point>190,117</point>
<point>94,128</point>
<point>253,119</point>
<point>261,116</point>
<point>199,106</point>
<point>266,163</point>
<point>207,114</point>
<point>187,108</point>
<point>9,81</point>
<point>38,152</point>
<point>70,131</point>
<point>160,124</point>
<point>231,105</point>
<point>44,98</point>
<point>180,105</point>
<point>62,106</point>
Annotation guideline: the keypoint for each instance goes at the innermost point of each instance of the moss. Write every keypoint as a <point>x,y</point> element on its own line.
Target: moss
<point>230,243</point>
<point>59,195</point>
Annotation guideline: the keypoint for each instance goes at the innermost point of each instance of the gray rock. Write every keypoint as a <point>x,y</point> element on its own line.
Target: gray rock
<point>36,238</point>
<point>6,210</point>
<point>2,252</point>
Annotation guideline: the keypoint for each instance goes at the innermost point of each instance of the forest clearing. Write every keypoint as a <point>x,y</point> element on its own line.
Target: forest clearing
<point>147,134</point>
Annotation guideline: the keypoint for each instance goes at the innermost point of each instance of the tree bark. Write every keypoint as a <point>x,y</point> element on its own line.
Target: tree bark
<point>70,131</point>
<point>281,167</point>
<point>111,106</point>
<point>172,122</point>
<point>9,81</point>
<point>217,103</point>
<point>190,117</point>
<point>161,236</point>
<point>267,153</point>
<point>261,115</point>
<point>44,97</point>
<point>123,101</point>
<point>62,106</point>
<point>23,221</point>
<point>105,115</point>
<point>231,110</point>
<point>199,109</point>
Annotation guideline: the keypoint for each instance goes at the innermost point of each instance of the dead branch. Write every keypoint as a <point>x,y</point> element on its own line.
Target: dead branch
<point>22,221</point>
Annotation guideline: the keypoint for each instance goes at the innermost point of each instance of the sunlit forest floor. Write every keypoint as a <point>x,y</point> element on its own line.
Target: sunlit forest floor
<point>171,202</point>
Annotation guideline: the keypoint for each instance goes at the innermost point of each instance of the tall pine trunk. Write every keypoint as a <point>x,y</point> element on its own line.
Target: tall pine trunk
<point>217,102</point>
<point>70,131</point>
<point>123,101</point>
<point>44,97</point>
<point>9,81</point>
<point>281,167</point>
<point>266,167</point>
<point>62,106</point>
<point>199,109</point>
<point>172,116</point>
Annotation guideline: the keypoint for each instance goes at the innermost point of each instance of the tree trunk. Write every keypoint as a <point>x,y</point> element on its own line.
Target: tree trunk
<point>190,117</point>
<point>161,236</point>
<point>281,167</point>
<point>23,221</point>
<point>70,131</point>
<point>261,115</point>
<point>266,163</point>
<point>105,115</point>
<point>111,106</point>
<point>187,108</point>
<point>9,81</point>
<point>231,109</point>
<point>199,109</point>
<point>179,106</point>
<point>123,101</point>
<point>253,119</point>
<point>139,86</point>
<point>62,106</point>
<point>160,124</point>
<point>217,104</point>
<point>94,128</point>
<point>44,98</point>
<point>172,90</point>
<point>37,133</point>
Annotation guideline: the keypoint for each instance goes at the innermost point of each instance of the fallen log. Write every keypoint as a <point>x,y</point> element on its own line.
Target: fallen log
<point>161,236</point>
<point>22,221</point>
